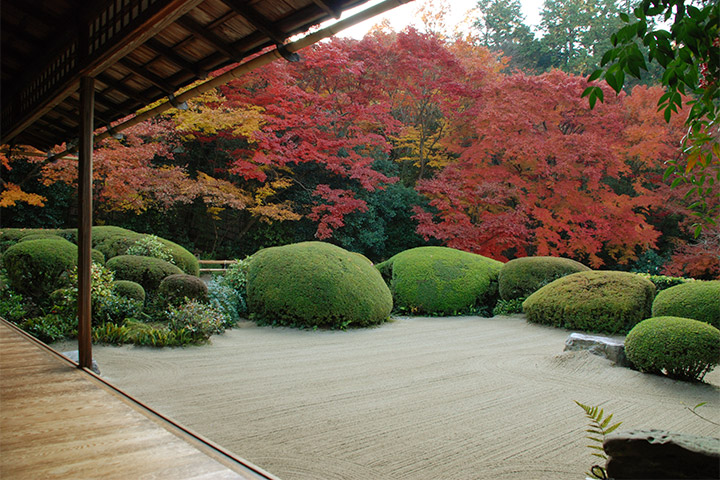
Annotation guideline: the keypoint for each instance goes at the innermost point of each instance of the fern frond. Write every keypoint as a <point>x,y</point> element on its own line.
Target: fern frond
<point>613,428</point>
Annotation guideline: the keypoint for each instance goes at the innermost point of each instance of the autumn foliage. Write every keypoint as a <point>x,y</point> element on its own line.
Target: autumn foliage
<point>503,164</point>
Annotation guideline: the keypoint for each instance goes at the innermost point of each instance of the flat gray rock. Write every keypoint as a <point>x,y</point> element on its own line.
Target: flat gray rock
<point>607,347</point>
<point>657,454</point>
<point>75,357</point>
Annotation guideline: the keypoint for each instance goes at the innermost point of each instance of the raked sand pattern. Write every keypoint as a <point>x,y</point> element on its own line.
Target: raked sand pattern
<point>418,398</point>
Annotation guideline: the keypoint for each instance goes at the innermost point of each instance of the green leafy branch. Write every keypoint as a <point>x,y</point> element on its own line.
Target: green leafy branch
<point>598,428</point>
<point>690,56</point>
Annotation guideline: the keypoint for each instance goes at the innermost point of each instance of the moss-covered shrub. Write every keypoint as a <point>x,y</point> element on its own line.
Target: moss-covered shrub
<point>315,284</point>
<point>11,236</point>
<point>183,258</point>
<point>36,267</point>
<point>520,278</point>
<point>115,246</point>
<point>175,288</point>
<point>147,271</point>
<point>698,300</point>
<point>681,348</point>
<point>128,289</point>
<point>610,302</point>
<point>441,281</point>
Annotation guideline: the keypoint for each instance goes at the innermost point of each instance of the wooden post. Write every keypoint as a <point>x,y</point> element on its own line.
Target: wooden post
<point>85,178</point>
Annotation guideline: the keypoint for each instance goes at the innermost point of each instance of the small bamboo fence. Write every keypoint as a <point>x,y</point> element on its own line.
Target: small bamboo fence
<point>214,266</point>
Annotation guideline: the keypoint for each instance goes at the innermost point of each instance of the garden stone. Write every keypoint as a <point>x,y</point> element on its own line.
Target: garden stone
<point>609,348</point>
<point>657,454</point>
<point>75,357</point>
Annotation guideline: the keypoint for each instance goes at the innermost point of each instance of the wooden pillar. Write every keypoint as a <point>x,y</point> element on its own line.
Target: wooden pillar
<point>85,175</point>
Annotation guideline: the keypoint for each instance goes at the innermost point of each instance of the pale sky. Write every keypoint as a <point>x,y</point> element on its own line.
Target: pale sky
<point>403,15</point>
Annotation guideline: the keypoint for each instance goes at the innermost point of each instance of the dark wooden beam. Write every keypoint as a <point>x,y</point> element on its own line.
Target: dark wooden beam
<point>125,90</point>
<point>143,72</point>
<point>256,20</point>
<point>175,58</point>
<point>327,8</point>
<point>85,179</point>
<point>206,34</point>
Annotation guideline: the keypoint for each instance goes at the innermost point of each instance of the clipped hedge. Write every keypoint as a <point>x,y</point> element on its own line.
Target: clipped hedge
<point>609,302</point>
<point>441,280</point>
<point>681,348</point>
<point>129,289</point>
<point>698,300</point>
<point>147,271</point>
<point>175,288</point>
<point>183,258</point>
<point>36,267</point>
<point>11,236</point>
<point>315,284</point>
<point>521,277</point>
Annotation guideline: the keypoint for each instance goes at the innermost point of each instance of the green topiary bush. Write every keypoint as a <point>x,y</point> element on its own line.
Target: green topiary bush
<point>183,258</point>
<point>147,271</point>
<point>698,300</point>
<point>175,288</point>
<point>441,281</point>
<point>520,278</point>
<point>681,348</point>
<point>315,284</point>
<point>128,289</point>
<point>610,302</point>
<point>11,236</point>
<point>36,267</point>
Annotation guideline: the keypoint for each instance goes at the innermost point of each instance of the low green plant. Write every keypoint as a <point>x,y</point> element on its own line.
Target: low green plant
<point>235,277</point>
<point>508,307</point>
<point>101,288</point>
<point>150,246</point>
<point>116,309</point>
<point>111,334</point>
<point>12,307</point>
<point>226,300</point>
<point>50,328</point>
<point>196,319</point>
<point>681,348</point>
<point>663,282</point>
<point>597,430</point>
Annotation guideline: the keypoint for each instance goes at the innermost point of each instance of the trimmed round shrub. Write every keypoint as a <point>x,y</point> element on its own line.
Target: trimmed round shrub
<point>117,245</point>
<point>315,284</point>
<point>697,300</point>
<point>97,256</point>
<point>36,267</point>
<point>681,348</point>
<point>41,236</point>
<point>609,302</point>
<point>128,289</point>
<point>441,280</point>
<point>175,288</point>
<point>147,271</point>
<point>183,258</point>
<point>11,236</point>
<point>521,277</point>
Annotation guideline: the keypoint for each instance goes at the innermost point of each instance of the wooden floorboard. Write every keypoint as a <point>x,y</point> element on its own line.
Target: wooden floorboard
<point>60,422</point>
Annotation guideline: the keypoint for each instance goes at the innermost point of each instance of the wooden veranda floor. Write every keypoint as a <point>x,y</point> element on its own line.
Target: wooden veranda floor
<point>57,421</point>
